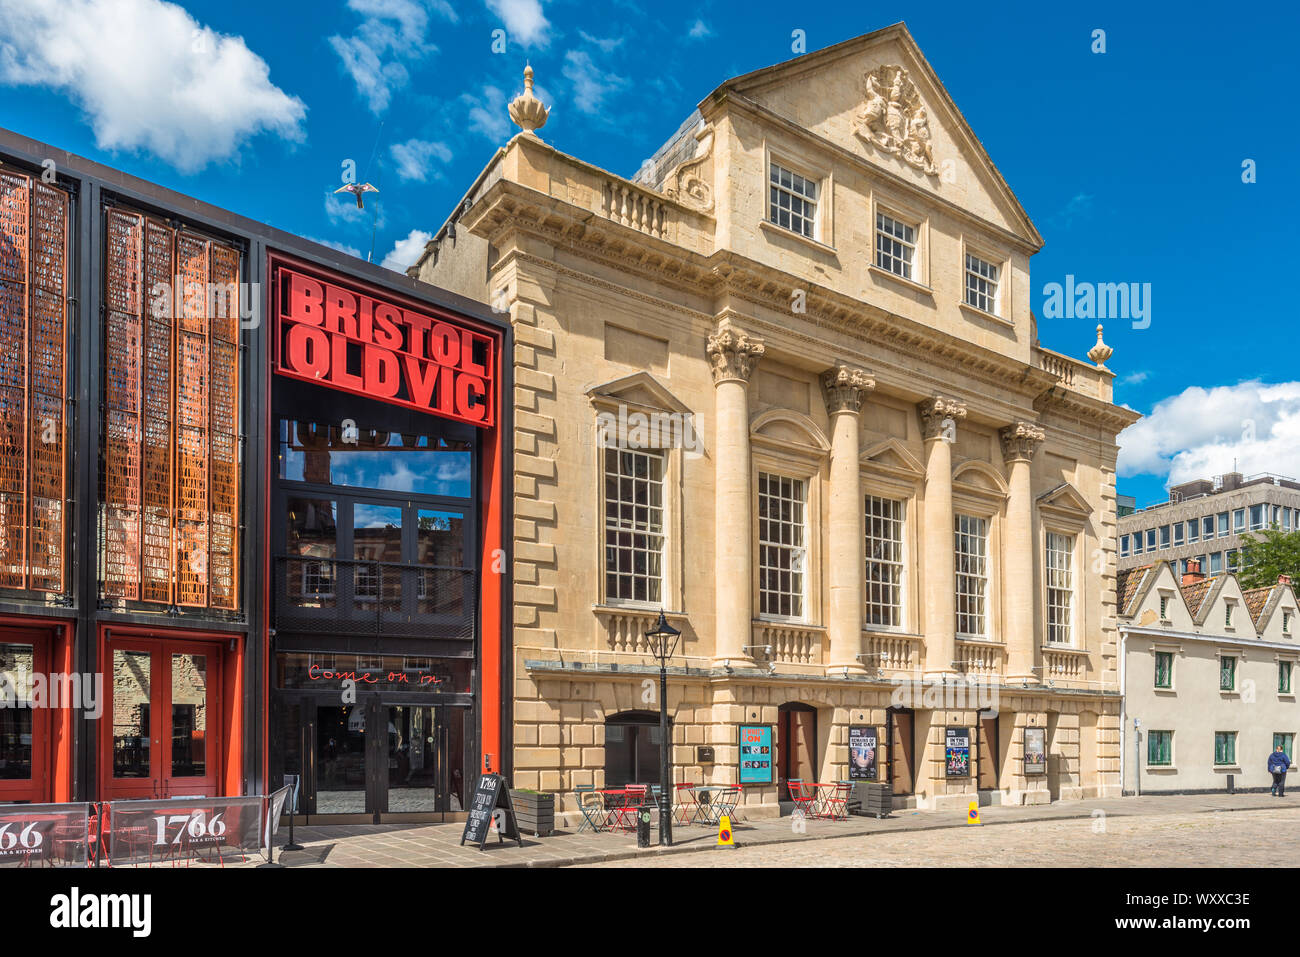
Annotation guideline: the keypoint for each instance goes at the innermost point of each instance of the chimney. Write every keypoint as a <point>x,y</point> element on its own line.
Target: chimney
<point>1193,573</point>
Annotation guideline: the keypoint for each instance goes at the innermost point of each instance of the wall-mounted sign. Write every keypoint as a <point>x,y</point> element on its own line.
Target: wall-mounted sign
<point>956,752</point>
<point>756,754</point>
<point>1035,751</point>
<point>329,331</point>
<point>864,748</point>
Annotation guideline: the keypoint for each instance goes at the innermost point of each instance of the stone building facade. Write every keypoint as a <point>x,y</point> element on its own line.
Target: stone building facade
<point>785,385</point>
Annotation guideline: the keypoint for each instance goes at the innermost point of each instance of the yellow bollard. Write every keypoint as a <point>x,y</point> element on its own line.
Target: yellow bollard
<point>973,814</point>
<point>725,837</point>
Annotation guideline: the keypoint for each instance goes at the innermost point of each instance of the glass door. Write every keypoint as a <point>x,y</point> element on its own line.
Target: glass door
<point>415,779</point>
<point>24,741</point>
<point>163,701</point>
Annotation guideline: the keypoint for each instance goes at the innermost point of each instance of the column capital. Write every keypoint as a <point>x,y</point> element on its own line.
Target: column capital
<point>1020,440</point>
<point>733,354</point>
<point>844,387</point>
<point>939,415</point>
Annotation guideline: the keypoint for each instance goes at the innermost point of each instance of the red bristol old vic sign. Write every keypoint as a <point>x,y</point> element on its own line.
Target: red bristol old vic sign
<point>332,334</point>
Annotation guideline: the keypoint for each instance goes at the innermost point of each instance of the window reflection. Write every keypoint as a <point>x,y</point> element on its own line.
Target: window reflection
<point>323,454</point>
<point>312,546</point>
<point>189,715</point>
<point>132,674</point>
<point>17,670</point>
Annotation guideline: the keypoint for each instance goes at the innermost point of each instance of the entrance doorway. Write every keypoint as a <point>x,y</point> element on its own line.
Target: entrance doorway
<point>988,767</point>
<point>24,730</point>
<point>376,761</point>
<point>796,745</point>
<point>163,705</point>
<point>900,731</point>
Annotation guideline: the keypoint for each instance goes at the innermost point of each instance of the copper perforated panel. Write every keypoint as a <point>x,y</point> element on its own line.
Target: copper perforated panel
<point>47,388</point>
<point>123,335</point>
<point>223,477</point>
<point>15,238</point>
<point>157,569</point>
<point>181,351</point>
<point>33,387</point>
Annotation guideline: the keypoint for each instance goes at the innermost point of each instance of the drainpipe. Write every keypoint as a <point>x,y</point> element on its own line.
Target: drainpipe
<point>1123,705</point>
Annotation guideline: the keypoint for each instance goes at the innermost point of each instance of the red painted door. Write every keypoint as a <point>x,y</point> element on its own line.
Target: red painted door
<point>25,717</point>
<point>163,705</point>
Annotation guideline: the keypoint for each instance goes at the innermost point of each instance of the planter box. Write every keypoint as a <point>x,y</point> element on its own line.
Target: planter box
<point>535,813</point>
<point>871,799</point>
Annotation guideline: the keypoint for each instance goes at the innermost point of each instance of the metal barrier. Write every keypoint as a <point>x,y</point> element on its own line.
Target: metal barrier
<point>47,835</point>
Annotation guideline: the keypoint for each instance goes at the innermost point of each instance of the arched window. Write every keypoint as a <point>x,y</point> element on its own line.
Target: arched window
<point>632,743</point>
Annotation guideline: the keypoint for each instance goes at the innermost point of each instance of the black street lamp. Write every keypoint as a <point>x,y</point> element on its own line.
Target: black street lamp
<point>663,642</point>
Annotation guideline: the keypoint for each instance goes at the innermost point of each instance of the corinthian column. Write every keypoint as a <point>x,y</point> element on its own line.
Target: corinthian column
<point>939,418</point>
<point>732,356</point>
<point>845,388</point>
<point>1019,441</point>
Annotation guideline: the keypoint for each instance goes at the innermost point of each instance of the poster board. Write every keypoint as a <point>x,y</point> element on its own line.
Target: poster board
<point>756,754</point>
<point>1035,751</point>
<point>864,753</point>
<point>956,752</point>
<point>490,793</point>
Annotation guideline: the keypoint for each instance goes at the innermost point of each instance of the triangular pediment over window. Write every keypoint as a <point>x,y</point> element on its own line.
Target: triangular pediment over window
<point>892,456</point>
<point>639,391</point>
<point>1065,499</point>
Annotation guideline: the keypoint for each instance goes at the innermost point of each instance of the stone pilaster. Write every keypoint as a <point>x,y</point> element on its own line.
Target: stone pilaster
<point>732,358</point>
<point>939,418</point>
<point>845,388</point>
<point>1019,442</point>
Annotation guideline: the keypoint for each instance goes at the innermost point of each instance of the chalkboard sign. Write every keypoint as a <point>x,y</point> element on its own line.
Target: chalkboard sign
<point>490,793</point>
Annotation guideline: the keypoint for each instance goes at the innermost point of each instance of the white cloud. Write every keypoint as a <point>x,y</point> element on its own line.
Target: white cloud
<point>608,45</point>
<point>415,158</point>
<point>590,83</point>
<point>525,22</point>
<point>390,34</point>
<point>407,251</point>
<point>487,113</point>
<point>1200,432</point>
<point>148,76</point>
<point>699,30</point>
<point>341,247</point>
<point>1134,378</point>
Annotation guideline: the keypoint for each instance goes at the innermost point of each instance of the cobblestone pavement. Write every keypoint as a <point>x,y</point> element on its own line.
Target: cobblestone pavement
<point>1217,839</point>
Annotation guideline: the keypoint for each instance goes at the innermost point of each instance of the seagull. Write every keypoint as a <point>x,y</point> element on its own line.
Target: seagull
<point>357,189</point>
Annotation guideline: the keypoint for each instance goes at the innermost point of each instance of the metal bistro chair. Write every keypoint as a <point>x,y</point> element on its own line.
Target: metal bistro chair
<point>836,805</point>
<point>683,804</point>
<point>593,811</point>
<point>724,805</point>
<point>804,797</point>
<point>625,814</point>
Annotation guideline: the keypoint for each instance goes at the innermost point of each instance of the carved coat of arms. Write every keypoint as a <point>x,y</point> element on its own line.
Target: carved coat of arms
<point>893,119</point>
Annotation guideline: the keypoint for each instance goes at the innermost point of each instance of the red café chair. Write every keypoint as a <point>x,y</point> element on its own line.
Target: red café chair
<point>804,796</point>
<point>684,804</point>
<point>625,813</point>
<point>836,805</point>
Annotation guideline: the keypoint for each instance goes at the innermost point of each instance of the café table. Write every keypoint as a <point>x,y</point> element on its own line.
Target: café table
<point>621,804</point>
<point>708,810</point>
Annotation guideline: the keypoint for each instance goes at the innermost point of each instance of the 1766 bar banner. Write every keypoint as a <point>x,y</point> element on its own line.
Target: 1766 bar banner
<point>864,746</point>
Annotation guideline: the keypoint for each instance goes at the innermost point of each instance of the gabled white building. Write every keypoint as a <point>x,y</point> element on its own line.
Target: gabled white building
<point>1208,672</point>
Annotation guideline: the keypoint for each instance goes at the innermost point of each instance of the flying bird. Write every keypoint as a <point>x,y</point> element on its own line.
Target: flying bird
<point>357,189</point>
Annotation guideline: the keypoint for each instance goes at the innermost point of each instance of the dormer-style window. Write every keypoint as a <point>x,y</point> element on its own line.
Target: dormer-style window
<point>793,201</point>
<point>895,246</point>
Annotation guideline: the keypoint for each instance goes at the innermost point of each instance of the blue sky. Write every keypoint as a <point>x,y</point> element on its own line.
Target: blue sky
<point>1128,161</point>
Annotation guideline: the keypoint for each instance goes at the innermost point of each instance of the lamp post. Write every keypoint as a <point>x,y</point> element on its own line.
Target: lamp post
<point>663,642</point>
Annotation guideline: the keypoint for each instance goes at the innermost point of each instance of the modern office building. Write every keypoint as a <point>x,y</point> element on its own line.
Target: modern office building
<point>1209,673</point>
<point>785,385</point>
<point>251,503</point>
<point>1206,519</point>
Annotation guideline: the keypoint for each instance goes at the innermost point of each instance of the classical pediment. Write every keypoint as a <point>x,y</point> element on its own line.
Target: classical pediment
<point>1066,499</point>
<point>979,478</point>
<point>877,97</point>
<point>782,427</point>
<point>640,390</point>
<point>892,456</point>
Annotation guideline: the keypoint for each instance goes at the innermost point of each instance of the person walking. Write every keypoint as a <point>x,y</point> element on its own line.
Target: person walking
<point>1278,764</point>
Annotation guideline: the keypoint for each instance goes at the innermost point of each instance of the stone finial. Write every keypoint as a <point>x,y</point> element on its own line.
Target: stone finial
<point>733,355</point>
<point>845,387</point>
<point>939,417</point>
<point>1020,441</point>
<point>1100,352</point>
<point>527,111</point>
